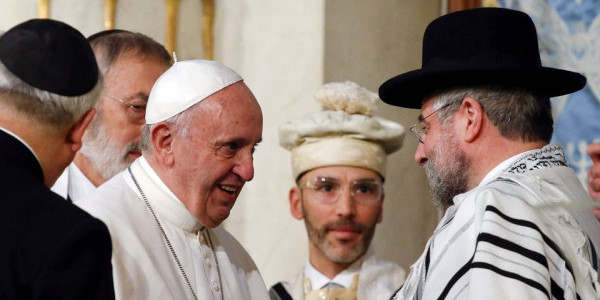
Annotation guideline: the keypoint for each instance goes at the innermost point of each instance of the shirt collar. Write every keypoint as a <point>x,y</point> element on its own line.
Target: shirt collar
<point>162,199</point>
<point>344,278</point>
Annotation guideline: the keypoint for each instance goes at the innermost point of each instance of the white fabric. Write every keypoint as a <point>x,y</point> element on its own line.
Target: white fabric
<point>331,138</point>
<point>338,151</point>
<point>72,183</point>
<point>318,280</point>
<point>512,238</point>
<point>377,280</point>
<point>143,266</point>
<point>184,84</point>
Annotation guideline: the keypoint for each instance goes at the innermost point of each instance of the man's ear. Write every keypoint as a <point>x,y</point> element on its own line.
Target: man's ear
<point>295,197</point>
<point>75,134</point>
<point>472,118</point>
<point>162,136</point>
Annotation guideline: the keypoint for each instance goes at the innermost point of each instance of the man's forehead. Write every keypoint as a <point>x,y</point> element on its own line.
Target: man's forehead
<point>341,172</point>
<point>426,108</point>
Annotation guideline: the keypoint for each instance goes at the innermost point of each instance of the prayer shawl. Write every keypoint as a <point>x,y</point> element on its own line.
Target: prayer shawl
<point>377,280</point>
<point>513,237</point>
<point>144,267</point>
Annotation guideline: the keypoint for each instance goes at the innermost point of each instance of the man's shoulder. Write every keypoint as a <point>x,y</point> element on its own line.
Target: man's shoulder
<point>113,198</point>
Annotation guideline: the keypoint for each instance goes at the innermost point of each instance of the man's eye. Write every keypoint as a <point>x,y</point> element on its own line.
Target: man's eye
<point>326,188</point>
<point>232,146</point>
<point>138,107</point>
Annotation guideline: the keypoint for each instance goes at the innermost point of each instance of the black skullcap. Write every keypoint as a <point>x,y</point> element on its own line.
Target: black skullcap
<point>51,56</point>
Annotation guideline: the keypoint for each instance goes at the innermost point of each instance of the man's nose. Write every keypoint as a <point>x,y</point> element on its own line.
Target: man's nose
<point>420,157</point>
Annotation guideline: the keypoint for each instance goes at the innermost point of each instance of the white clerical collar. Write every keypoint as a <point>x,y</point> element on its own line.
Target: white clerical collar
<point>166,204</point>
<point>22,141</point>
<point>344,278</point>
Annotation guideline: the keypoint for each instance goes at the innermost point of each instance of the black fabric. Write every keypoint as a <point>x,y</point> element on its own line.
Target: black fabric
<point>51,56</point>
<point>278,292</point>
<point>49,248</point>
<point>484,46</point>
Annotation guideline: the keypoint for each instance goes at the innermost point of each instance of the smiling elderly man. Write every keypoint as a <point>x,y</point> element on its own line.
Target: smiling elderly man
<point>163,212</point>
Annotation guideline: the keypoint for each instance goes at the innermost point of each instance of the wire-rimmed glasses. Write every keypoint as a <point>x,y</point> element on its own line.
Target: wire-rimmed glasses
<point>136,110</point>
<point>327,190</point>
<point>419,128</point>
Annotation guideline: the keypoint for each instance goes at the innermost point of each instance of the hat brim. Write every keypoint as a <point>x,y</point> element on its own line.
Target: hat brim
<point>408,89</point>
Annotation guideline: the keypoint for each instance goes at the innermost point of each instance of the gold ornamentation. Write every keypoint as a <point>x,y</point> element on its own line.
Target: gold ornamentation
<point>109,14</point>
<point>43,9</point>
<point>208,21</point>
<point>171,29</point>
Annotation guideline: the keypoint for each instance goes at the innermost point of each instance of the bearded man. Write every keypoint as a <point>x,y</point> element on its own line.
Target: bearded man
<point>131,63</point>
<point>517,223</point>
<point>338,161</point>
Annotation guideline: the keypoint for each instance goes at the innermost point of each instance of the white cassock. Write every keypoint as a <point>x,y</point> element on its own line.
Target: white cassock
<point>144,266</point>
<point>526,232</point>
<point>377,279</point>
<point>73,184</point>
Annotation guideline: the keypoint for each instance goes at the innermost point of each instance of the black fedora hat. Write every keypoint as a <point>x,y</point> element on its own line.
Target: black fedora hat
<point>483,46</point>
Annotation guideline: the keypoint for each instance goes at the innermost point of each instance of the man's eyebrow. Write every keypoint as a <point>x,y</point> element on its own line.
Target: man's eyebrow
<point>139,95</point>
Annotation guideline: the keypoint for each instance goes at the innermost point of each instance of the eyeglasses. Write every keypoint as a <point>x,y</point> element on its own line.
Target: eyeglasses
<point>419,128</point>
<point>136,110</point>
<point>327,190</point>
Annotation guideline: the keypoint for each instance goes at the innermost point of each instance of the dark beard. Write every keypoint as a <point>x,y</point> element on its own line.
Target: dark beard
<point>318,237</point>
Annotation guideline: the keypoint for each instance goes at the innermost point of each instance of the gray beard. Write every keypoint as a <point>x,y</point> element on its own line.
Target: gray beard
<point>447,171</point>
<point>107,156</point>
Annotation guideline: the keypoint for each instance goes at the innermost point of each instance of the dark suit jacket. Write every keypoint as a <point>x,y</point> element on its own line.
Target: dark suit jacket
<point>49,249</point>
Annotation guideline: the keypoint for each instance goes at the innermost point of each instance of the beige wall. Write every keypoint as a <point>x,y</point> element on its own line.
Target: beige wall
<point>369,44</point>
<point>285,50</point>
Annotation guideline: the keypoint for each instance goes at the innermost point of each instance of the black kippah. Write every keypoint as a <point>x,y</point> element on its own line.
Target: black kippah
<point>51,56</point>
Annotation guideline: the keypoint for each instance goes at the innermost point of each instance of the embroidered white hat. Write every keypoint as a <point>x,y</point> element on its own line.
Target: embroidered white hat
<point>185,84</point>
<point>344,134</point>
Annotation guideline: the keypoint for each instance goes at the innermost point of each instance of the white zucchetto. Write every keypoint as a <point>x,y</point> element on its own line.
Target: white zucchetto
<point>185,84</point>
<point>344,134</point>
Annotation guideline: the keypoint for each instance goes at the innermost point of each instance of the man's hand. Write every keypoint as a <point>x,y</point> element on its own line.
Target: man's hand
<point>594,175</point>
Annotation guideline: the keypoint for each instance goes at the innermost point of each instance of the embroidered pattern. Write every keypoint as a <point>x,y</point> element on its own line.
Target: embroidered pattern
<point>549,156</point>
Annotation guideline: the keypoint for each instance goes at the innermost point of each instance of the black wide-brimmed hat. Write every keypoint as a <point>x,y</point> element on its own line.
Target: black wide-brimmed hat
<point>483,46</point>
<point>50,55</point>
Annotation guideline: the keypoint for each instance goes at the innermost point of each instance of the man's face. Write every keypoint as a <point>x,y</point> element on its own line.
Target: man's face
<point>112,141</point>
<point>340,231</point>
<point>215,160</point>
<point>446,164</point>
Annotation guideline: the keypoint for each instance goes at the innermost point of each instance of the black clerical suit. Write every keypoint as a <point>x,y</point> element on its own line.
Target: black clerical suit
<point>49,248</point>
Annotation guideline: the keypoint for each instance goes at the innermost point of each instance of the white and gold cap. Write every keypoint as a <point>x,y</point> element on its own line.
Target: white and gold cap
<point>344,134</point>
<point>185,84</point>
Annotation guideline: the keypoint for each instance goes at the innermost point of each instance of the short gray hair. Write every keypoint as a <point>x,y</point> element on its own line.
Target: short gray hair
<point>109,45</point>
<point>517,113</point>
<point>180,122</point>
<point>56,111</point>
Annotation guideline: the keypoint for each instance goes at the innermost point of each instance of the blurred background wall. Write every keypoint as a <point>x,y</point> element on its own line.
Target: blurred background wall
<point>285,50</point>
